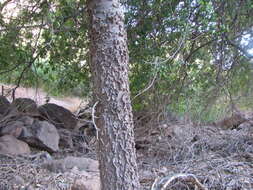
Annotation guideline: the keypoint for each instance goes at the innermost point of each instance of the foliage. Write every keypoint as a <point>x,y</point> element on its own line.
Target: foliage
<point>198,45</point>
<point>47,40</point>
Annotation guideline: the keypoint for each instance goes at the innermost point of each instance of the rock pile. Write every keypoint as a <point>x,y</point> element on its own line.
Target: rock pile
<point>25,128</point>
<point>23,124</point>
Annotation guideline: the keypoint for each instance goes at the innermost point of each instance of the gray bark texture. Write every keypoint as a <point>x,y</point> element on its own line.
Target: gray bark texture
<point>109,65</point>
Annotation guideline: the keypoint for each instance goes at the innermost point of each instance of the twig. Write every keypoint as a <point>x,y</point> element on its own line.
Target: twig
<point>11,69</point>
<point>93,118</point>
<point>163,183</point>
<point>23,27</point>
<point>147,88</point>
<point>151,83</point>
<point>180,45</point>
<point>29,64</point>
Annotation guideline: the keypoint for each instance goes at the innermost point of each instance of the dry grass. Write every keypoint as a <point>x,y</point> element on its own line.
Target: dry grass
<point>220,159</point>
<point>22,172</point>
<point>25,172</point>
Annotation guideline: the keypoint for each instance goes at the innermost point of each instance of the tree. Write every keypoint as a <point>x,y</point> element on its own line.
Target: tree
<point>109,66</point>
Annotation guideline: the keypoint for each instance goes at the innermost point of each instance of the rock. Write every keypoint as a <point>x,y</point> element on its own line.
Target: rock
<point>14,124</point>
<point>26,120</point>
<point>18,180</point>
<point>68,163</point>
<point>246,126</point>
<point>58,115</point>
<point>13,128</point>
<point>88,182</point>
<point>41,156</point>
<point>249,115</point>
<point>11,145</point>
<point>41,134</point>
<point>146,176</point>
<point>66,140</point>
<point>28,187</point>
<point>25,105</point>
<point>4,104</point>
<point>232,122</point>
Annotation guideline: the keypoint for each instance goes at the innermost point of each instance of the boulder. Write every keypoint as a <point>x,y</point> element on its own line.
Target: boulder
<point>58,115</point>
<point>25,105</point>
<point>246,126</point>
<point>13,128</point>
<point>26,120</point>
<point>11,145</point>
<point>87,182</point>
<point>66,138</point>
<point>18,180</point>
<point>232,122</point>
<point>4,104</point>
<point>42,135</point>
<point>15,124</point>
<point>68,163</point>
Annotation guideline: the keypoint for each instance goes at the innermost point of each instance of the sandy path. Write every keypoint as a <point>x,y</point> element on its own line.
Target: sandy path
<point>39,96</point>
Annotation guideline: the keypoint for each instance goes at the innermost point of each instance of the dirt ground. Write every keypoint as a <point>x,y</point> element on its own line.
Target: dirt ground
<point>218,159</point>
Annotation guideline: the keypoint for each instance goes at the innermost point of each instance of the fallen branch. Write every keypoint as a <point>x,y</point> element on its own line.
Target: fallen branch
<point>163,183</point>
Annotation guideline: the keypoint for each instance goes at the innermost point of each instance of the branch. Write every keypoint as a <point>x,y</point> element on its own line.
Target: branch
<point>11,69</point>
<point>22,74</point>
<point>93,118</point>
<point>201,46</point>
<point>148,87</point>
<point>23,27</point>
<point>30,63</point>
<point>191,179</point>
<point>151,83</point>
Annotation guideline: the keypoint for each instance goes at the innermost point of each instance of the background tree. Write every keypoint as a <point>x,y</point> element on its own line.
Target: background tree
<point>193,44</point>
<point>109,66</point>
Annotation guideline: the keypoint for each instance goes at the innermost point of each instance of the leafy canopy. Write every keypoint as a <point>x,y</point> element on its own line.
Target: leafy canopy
<point>185,56</point>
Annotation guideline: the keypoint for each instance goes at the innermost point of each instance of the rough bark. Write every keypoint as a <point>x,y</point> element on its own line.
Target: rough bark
<point>109,65</point>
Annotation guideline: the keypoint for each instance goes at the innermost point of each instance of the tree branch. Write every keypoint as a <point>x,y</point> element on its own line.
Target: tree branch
<point>191,179</point>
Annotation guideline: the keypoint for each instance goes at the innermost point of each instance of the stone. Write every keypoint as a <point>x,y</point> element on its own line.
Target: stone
<point>25,105</point>
<point>18,180</point>
<point>66,140</point>
<point>86,183</point>
<point>68,163</point>
<point>4,104</point>
<point>11,145</point>
<point>58,115</point>
<point>26,120</point>
<point>246,126</point>
<point>42,135</point>
<point>14,123</point>
<point>13,128</point>
<point>231,122</point>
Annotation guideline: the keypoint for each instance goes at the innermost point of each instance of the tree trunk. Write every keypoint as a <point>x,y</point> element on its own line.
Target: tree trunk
<point>109,65</point>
